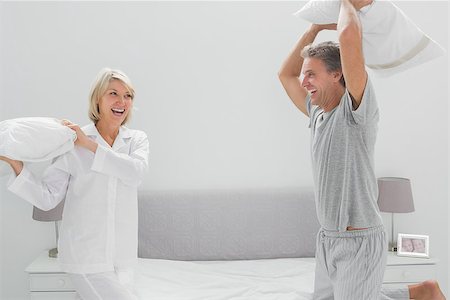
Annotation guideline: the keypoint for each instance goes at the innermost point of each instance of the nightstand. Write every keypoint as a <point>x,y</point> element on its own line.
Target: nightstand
<point>402,270</point>
<point>47,281</point>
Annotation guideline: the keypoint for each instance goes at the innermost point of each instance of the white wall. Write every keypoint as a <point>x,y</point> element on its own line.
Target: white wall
<point>209,99</point>
<point>413,136</point>
<point>1,192</point>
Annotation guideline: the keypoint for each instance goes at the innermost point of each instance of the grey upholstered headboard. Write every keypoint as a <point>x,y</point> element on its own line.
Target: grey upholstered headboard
<point>227,224</point>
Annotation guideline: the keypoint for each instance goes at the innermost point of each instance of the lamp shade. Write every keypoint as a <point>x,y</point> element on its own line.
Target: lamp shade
<point>395,195</point>
<point>55,214</point>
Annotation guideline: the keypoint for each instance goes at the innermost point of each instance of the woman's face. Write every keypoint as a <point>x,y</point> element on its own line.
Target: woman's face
<point>115,104</point>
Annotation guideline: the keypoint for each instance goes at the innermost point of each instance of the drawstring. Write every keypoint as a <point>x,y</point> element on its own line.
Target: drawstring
<point>321,235</point>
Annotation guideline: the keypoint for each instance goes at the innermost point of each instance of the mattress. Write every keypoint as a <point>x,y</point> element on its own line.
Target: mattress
<point>265,279</point>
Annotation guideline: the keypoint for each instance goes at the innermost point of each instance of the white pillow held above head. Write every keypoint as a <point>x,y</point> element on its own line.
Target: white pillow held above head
<point>320,11</point>
<point>391,41</point>
<point>35,139</point>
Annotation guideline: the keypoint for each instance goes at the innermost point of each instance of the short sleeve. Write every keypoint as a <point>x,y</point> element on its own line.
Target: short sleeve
<point>367,111</point>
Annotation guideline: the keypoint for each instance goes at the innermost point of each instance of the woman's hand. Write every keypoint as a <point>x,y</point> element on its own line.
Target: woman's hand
<point>17,165</point>
<point>82,139</point>
<point>358,4</point>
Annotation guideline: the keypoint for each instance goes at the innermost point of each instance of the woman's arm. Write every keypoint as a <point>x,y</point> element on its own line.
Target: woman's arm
<point>16,165</point>
<point>130,168</point>
<point>43,193</point>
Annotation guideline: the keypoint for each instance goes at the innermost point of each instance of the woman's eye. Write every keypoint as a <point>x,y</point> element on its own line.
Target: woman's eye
<point>128,96</point>
<point>113,93</point>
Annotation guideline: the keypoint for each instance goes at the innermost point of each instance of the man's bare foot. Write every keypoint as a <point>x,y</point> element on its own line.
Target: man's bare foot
<point>427,290</point>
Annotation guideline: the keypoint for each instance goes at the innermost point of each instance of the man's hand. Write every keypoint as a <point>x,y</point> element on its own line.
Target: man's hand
<point>320,27</point>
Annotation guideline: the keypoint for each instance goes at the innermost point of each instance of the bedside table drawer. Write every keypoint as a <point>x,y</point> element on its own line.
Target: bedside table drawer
<point>409,273</point>
<point>50,282</point>
<point>54,296</point>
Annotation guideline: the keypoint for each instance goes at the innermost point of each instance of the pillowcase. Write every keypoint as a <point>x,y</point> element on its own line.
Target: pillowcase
<point>391,41</point>
<point>34,139</point>
<point>320,11</point>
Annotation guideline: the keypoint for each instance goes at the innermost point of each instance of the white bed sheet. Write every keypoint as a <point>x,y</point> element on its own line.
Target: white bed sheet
<point>266,279</point>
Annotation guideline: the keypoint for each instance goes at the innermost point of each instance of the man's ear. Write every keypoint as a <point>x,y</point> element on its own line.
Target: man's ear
<point>337,76</point>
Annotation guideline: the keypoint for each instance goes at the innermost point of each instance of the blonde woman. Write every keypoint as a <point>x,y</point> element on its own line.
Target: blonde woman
<point>98,180</point>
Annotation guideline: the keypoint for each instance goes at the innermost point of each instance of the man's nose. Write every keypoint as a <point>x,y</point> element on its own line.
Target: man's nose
<point>304,81</point>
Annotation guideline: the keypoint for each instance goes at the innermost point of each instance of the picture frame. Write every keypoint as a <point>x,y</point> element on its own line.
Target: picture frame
<point>413,245</point>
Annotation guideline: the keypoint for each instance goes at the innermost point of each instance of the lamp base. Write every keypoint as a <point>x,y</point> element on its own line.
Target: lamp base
<point>53,252</point>
<point>393,246</point>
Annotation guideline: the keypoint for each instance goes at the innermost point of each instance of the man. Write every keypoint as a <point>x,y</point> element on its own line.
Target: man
<point>337,95</point>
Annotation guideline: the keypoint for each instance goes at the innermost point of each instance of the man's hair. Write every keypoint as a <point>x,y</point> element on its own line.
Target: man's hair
<point>329,53</point>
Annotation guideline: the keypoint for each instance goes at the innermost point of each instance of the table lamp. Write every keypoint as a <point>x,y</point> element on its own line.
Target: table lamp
<point>394,196</point>
<point>53,215</point>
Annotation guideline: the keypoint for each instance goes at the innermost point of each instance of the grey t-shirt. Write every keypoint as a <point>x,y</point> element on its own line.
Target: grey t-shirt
<point>342,152</point>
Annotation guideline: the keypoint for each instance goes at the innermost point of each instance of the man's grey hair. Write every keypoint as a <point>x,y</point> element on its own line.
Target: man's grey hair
<point>329,53</point>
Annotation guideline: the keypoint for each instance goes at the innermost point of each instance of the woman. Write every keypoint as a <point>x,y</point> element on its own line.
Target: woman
<point>98,179</point>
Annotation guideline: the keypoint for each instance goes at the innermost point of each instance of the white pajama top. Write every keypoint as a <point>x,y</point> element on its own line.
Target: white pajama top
<point>99,229</point>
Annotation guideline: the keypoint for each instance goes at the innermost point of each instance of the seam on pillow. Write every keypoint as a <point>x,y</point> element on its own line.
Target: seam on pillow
<point>421,45</point>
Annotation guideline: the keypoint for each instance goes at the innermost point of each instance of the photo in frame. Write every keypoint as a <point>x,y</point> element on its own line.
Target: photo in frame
<point>413,245</point>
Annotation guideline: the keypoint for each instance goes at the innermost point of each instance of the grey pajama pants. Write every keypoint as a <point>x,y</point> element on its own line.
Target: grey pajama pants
<point>350,266</point>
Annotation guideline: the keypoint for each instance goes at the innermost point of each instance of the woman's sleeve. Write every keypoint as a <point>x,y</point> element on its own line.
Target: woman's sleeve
<point>129,168</point>
<point>43,193</point>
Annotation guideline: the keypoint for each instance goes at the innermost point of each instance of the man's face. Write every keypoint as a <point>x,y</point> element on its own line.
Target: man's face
<point>318,81</point>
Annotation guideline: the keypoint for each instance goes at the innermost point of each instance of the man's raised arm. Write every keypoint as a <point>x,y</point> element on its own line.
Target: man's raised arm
<point>350,40</point>
<point>291,69</point>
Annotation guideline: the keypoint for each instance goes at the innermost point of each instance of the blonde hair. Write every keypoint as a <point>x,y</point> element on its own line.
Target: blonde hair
<point>99,88</point>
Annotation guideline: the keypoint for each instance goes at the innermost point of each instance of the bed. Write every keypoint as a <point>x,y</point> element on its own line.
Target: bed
<point>227,244</point>
<point>266,279</point>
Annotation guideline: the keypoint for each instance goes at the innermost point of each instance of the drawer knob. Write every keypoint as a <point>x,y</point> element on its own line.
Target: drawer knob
<point>61,282</point>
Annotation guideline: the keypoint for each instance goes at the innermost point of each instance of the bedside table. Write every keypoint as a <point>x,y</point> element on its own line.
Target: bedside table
<point>401,270</point>
<point>47,281</point>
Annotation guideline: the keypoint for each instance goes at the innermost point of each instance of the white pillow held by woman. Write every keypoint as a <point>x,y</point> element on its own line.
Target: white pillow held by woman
<point>34,139</point>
